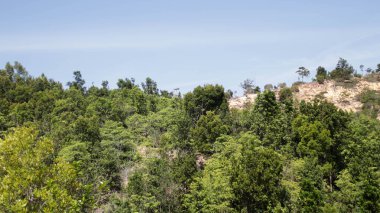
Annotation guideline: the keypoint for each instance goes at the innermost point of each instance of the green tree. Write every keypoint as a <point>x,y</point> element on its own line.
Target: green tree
<point>285,97</point>
<point>321,74</point>
<point>126,84</point>
<point>117,152</point>
<point>361,156</point>
<point>343,71</point>
<point>206,98</point>
<point>207,129</point>
<point>242,176</point>
<point>303,72</point>
<point>264,111</point>
<point>150,87</point>
<point>256,178</point>
<point>378,68</point>
<point>33,180</point>
<point>78,82</point>
<point>311,183</point>
<point>212,192</point>
<point>248,86</point>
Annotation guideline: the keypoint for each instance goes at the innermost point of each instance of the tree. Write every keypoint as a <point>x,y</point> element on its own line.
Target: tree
<point>150,87</point>
<point>166,94</point>
<point>117,151</point>
<point>268,87</point>
<point>361,67</point>
<point>285,95</point>
<point>242,177</point>
<point>281,85</point>
<point>311,196</point>
<point>131,150</point>
<point>303,72</point>
<point>105,85</point>
<point>362,173</point>
<point>334,120</point>
<point>207,129</point>
<point>378,68</point>
<point>343,71</point>
<point>206,98</point>
<point>263,113</point>
<point>321,74</point>
<point>20,70</point>
<point>212,192</point>
<point>313,139</point>
<point>257,180</point>
<point>32,179</point>
<point>248,86</point>
<point>126,84</point>
<point>371,102</point>
<point>10,70</point>
<point>78,83</point>
<point>229,94</point>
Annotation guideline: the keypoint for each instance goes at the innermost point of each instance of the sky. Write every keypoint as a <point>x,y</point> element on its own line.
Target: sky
<point>183,44</point>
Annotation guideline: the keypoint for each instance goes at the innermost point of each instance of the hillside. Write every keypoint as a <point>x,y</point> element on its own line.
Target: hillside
<point>343,95</point>
<point>141,149</point>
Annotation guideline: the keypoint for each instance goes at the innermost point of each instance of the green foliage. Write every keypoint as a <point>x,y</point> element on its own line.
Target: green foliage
<point>207,129</point>
<point>33,180</point>
<point>135,149</point>
<point>321,74</point>
<point>78,83</point>
<point>303,72</point>
<point>285,95</point>
<point>152,188</point>
<point>286,98</point>
<point>243,176</point>
<point>150,87</point>
<point>117,150</point>
<point>126,84</point>
<point>343,71</point>
<point>256,179</point>
<point>203,99</point>
<point>311,196</point>
<point>263,113</point>
<point>312,139</point>
<point>248,86</point>
<point>371,102</point>
<point>212,192</point>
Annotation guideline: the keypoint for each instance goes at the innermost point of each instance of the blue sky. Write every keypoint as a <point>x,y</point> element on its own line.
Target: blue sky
<point>187,43</point>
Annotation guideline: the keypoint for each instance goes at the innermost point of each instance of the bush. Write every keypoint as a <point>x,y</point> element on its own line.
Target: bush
<point>343,71</point>
<point>371,102</point>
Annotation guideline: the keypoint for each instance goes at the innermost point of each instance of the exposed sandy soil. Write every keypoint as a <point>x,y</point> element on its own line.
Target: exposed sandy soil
<point>343,97</point>
<point>241,102</point>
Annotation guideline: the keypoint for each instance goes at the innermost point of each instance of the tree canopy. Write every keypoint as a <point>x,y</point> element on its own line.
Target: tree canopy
<point>136,148</point>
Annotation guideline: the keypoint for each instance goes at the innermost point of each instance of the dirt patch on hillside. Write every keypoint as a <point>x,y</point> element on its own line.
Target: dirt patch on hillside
<point>241,102</point>
<point>344,97</point>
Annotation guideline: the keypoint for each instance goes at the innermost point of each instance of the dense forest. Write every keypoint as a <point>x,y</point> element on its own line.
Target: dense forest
<point>135,148</point>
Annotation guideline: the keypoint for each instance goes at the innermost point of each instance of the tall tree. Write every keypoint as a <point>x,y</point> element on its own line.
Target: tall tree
<point>78,82</point>
<point>248,86</point>
<point>206,98</point>
<point>321,74</point>
<point>150,86</point>
<point>303,72</point>
<point>343,71</point>
<point>127,83</point>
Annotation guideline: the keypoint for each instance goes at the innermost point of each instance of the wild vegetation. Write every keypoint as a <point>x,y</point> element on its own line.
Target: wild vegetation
<point>141,149</point>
